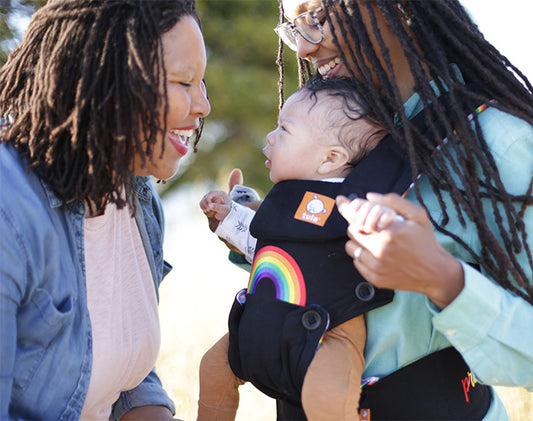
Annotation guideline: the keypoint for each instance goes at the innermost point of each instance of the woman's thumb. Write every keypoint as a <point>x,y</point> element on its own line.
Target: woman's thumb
<point>235,178</point>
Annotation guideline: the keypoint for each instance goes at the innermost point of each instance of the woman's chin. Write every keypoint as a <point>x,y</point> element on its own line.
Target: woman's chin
<point>161,173</point>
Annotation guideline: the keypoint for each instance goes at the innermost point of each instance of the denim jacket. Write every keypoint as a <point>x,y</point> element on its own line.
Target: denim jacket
<point>46,351</point>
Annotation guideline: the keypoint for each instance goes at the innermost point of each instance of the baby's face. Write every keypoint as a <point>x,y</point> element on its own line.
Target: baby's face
<point>297,145</point>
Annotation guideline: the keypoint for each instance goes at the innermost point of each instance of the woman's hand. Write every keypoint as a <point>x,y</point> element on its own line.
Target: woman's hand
<point>405,255</point>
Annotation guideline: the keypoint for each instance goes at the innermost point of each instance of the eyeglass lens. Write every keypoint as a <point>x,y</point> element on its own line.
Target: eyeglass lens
<point>308,25</point>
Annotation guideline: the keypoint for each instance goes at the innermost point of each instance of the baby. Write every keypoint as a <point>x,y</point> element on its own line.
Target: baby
<point>298,331</point>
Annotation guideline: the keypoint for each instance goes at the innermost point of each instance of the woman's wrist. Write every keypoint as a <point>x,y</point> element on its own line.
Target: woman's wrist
<point>448,282</point>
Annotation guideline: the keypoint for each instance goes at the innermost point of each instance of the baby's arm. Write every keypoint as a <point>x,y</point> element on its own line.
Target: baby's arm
<point>234,221</point>
<point>373,217</point>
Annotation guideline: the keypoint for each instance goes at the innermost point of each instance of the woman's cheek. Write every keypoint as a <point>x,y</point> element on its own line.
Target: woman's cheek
<point>178,103</point>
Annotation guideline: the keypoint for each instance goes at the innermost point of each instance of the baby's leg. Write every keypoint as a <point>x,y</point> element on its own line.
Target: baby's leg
<point>332,384</point>
<point>219,394</point>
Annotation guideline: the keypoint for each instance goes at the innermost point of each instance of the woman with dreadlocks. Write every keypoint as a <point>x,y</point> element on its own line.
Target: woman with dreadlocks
<point>98,96</point>
<point>461,261</point>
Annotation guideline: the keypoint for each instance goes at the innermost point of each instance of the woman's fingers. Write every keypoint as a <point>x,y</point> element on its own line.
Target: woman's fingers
<point>403,256</point>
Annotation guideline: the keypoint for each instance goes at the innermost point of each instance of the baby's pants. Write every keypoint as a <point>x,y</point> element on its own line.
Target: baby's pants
<point>331,387</point>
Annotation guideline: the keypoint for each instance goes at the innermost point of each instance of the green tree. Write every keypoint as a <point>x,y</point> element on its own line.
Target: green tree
<point>11,14</point>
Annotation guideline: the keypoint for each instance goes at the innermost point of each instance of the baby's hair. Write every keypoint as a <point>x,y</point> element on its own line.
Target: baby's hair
<point>83,93</point>
<point>436,36</point>
<point>343,114</point>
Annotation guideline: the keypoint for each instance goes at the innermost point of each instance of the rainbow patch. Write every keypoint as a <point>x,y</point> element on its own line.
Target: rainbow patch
<point>277,265</point>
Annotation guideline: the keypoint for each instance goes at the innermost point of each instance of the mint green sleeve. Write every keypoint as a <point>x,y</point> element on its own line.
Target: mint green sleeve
<point>492,329</point>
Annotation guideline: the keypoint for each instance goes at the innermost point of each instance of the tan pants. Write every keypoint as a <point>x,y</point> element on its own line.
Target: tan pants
<point>331,387</point>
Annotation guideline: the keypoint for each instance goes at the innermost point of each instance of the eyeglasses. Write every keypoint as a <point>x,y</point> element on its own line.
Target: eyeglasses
<point>307,25</point>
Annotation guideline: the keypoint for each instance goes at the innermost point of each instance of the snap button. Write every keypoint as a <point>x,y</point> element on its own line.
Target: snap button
<point>365,291</point>
<point>311,320</point>
<point>451,332</point>
<point>241,296</point>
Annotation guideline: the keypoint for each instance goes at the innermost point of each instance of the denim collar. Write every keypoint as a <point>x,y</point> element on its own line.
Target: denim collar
<point>141,188</point>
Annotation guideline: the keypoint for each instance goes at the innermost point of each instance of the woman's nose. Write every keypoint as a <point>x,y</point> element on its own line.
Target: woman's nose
<point>201,105</point>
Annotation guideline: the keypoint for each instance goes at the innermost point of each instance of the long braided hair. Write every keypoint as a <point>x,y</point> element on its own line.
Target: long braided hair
<point>86,90</point>
<point>434,35</point>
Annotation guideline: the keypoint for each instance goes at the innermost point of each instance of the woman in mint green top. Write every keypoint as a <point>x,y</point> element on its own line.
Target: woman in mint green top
<point>461,261</point>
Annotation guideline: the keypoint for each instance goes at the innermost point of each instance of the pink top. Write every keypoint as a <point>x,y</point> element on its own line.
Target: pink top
<point>122,307</point>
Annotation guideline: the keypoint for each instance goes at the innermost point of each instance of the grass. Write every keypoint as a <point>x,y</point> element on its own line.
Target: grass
<point>195,300</point>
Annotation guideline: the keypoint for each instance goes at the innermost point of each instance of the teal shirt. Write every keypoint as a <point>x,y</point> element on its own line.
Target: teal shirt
<point>490,326</point>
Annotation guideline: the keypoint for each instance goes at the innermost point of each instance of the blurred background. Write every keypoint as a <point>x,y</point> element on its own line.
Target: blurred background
<point>242,77</point>
<point>242,81</point>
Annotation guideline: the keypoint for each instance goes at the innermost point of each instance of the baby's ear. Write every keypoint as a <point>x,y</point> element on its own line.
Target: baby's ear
<point>334,161</point>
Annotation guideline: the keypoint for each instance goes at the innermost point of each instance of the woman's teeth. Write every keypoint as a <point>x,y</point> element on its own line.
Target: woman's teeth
<point>185,133</point>
<point>323,70</point>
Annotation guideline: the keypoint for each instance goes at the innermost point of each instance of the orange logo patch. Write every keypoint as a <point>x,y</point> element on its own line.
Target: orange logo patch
<point>315,208</point>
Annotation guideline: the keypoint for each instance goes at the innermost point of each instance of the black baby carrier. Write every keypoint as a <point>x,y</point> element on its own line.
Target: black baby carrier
<point>302,282</point>
<point>277,324</point>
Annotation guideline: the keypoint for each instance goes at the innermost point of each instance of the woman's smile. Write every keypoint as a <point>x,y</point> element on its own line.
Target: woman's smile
<point>331,68</point>
<point>180,139</point>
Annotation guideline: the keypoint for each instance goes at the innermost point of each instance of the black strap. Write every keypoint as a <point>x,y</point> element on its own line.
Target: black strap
<point>287,410</point>
<point>439,386</point>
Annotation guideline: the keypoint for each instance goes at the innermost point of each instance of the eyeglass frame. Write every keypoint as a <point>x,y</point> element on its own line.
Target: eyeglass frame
<point>294,30</point>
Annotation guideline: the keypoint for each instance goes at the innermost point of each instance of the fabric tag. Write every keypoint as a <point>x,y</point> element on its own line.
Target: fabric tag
<point>315,208</point>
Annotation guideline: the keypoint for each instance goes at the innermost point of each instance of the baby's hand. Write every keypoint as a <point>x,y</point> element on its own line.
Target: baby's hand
<point>216,204</point>
<point>373,217</point>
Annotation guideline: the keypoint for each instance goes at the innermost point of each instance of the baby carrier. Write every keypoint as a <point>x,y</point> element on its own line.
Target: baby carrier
<point>302,282</point>
<point>438,386</point>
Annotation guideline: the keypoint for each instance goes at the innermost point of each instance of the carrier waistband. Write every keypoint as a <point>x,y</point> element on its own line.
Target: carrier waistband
<point>439,386</point>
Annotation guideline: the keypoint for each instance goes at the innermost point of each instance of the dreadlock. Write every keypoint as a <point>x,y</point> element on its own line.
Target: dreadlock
<point>434,35</point>
<point>304,68</point>
<point>82,93</point>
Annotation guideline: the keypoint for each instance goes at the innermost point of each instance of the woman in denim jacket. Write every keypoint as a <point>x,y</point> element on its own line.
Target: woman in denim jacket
<point>97,97</point>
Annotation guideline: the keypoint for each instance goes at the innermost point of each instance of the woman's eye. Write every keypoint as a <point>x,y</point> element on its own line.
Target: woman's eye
<point>179,81</point>
<point>321,17</point>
